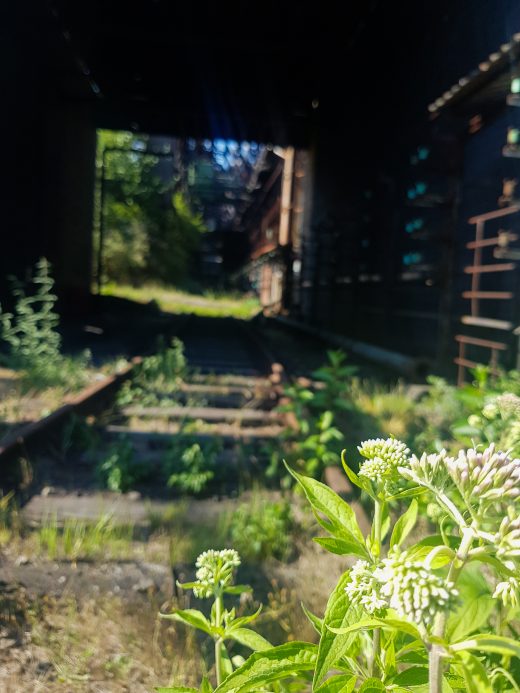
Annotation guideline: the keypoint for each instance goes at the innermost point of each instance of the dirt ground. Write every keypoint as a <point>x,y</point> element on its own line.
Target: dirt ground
<point>92,625</point>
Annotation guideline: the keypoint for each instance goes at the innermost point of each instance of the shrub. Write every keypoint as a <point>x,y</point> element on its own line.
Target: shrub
<point>118,469</point>
<point>31,334</point>
<point>261,529</point>
<point>190,467</point>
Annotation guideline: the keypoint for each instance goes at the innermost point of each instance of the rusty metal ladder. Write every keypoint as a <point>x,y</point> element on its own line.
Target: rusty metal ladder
<point>476,295</point>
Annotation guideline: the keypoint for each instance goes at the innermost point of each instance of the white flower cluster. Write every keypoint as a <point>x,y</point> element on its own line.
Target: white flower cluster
<point>487,475</point>
<point>383,457</point>
<point>507,538</point>
<point>429,467</point>
<point>363,589</point>
<point>509,592</point>
<point>508,404</point>
<point>214,571</point>
<point>413,591</point>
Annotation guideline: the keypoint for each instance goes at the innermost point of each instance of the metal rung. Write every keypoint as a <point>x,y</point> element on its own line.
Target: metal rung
<point>498,295</point>
<point>496,214</point>
<point>465,362</point>
<point>470,364</point>
<point>486,322</point>
<point>490,241</point>
<point>476,341</point>
<point>480,269</point>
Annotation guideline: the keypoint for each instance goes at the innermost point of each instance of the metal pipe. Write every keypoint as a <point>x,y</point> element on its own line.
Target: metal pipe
<point>407,365</point>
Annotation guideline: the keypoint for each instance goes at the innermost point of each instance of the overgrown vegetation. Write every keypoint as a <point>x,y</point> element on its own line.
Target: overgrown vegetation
<point>157,378</point>
<point>261,528</point>
<point>150,229</point>
<point>434,614</point>
<point>31,335</point>
<point>75,539</point>
<point>173,300</point>
<point>190,466</point>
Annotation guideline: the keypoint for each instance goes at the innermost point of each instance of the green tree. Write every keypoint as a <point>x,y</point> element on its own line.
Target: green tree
<point>149,230</point>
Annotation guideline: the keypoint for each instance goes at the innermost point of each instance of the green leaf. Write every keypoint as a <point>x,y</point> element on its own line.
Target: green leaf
<point>332,646</point>
<point>372,686</point>
<point>244,620</point>
<point>237,589</point>
<point>341,547</point>
<point>360,481</point>
<point>191,617</point>
<point>489,643</point>
<point>315,620</point>
<point>249,638</point>
<point>475,608</point>
<point>225,661</point>
<point>344,683</point>
<point>439,557</point>
<point>475,675</point>
<point>187,585</point>
<point>420,550</point>
<point>407,493</point>
<point>500,568</point>
<point>205,686</point>
<point>386,623</point>
<point>404,525</point>
<point>262,668</point>
<point>326,502</point>
<point>414,676</point>
<point>331,511</point>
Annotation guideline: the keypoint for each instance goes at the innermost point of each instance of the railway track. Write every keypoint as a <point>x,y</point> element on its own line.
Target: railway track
<point>229,395</point>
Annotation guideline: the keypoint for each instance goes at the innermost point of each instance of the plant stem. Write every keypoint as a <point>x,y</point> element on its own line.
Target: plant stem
<point>436,651</point>
<point>218,662</point>
<point>218,641</point>
<point>376,551</point>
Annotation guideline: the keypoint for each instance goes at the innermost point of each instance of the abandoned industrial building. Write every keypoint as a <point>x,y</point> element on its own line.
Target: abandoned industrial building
<point>260,346</point>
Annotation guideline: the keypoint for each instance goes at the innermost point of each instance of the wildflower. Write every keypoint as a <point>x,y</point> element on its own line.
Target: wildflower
<point>363,589</point>
<point>214,571</point>
<point>508,404</point>
<point>413,591</point>
<point>429,468</point>
<point>383,457</point>
<point>490,410</point>
<point>475,420</point>
<point>507,538</point>
<point>509,592</point>
<point>487,475</point>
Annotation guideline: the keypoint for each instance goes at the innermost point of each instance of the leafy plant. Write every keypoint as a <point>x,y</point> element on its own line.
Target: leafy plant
<point>261,529</point>
<point>190,467</point>
<point>334,377</point>
<point>75,539</point>
<point>157,378</point>
<point>436,614</point>
<point>118,470</point>
<point>214,580</point>
<point>32,337</point>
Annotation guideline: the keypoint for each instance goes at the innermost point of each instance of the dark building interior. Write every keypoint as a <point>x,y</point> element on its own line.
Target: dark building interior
<point>402,110</point>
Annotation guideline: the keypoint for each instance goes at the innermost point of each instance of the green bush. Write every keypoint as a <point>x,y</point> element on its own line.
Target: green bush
<point>32,337</point>
<point>189,465</point>
<point>261,529</point>
<point>118,469</point>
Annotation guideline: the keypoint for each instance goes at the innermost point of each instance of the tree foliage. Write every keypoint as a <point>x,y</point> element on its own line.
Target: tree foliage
<point>149,228</point>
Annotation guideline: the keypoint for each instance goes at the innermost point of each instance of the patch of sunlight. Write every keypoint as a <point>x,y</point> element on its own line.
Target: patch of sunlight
<point>172,300</point>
